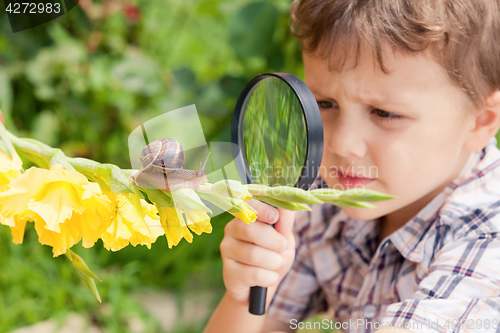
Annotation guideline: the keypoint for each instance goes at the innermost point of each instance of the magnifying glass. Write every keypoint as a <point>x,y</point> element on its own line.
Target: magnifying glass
<point>278,130</point>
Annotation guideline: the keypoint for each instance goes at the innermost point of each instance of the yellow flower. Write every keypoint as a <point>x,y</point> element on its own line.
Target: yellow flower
<point>131,224</point>
<point>241,210</point>
<point>152,219</point>
<point>198,222</point>
<point>236,207</point>
<point>98,215</point>
<point>9,170</point>
<point>174,226</point>
<point>63,204</point>
<point>17,225</point>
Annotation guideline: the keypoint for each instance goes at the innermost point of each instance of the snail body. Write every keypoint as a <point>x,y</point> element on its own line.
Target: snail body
<point>162,166</point>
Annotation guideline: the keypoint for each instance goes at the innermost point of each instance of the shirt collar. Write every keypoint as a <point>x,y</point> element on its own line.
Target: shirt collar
<point>354,229</point>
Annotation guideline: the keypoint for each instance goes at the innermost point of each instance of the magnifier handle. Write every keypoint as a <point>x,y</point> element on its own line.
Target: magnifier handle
<point>257,300</point>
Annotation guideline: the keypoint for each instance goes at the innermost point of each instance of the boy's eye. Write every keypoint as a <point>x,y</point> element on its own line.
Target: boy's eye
<point>385,115</point>
<point>326,104</point>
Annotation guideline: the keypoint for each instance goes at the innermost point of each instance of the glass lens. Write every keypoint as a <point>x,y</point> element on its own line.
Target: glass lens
<point>274,133</point>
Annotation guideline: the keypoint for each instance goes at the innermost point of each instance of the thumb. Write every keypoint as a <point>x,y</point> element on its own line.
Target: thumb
<point>284,225</point>
<point>1,118</point>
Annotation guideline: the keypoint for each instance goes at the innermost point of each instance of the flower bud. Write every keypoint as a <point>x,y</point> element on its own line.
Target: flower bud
<point>188,200</point>
<point>231,188</point>
<point>284,193</point>
<point>282,204</point>
<point>236,207</point>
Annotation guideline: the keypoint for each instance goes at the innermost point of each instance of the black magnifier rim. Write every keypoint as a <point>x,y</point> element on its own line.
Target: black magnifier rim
<point>314,128</point>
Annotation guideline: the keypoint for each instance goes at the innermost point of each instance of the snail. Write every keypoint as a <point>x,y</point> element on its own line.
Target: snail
<point>162,166</point>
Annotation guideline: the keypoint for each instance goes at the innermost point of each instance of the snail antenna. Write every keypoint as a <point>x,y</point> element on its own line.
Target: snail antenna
<point>202,168</point>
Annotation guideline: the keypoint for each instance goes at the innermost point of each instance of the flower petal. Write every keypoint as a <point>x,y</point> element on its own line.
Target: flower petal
<point>198,222</point>
<point>174,226</point>
<point>21,190</point>
<point>128,225</point>
<point>61,241</point>
<point>56,204</point>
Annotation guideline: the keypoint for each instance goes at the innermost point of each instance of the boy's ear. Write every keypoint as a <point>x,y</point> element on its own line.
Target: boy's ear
<point>485,123</point>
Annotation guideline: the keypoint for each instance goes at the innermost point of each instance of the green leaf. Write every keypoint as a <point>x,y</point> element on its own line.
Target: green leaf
<point>356,204</point>
<point>91,284</point>
<point>303,206</point>
<point>80,264</point>
<point>326,191</point>
<point>284,193</point>
<point>295,194</point>
<point>84,271</point>
<point>279,203</point>
<point>364,195</point>
<point>330,195</point>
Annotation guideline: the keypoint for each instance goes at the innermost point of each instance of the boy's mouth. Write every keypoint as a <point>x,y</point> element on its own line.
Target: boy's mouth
<point>347,181</point>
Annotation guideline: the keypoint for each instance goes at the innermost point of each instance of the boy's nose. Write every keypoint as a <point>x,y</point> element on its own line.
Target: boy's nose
<point>345,138</point>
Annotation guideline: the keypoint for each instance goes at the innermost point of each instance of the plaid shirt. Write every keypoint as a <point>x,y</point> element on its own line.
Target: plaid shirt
<point>440,272</point>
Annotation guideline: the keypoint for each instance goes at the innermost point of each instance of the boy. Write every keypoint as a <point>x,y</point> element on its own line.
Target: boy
<point>410,102</point>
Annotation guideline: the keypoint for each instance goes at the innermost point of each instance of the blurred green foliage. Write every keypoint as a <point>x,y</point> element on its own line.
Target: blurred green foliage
<point>82,83</point>
<point>100,72</point>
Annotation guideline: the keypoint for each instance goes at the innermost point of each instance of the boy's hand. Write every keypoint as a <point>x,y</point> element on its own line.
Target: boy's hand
<point>257,254</point>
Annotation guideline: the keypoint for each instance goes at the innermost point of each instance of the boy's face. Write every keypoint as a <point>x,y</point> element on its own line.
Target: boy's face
<point>405,129</point>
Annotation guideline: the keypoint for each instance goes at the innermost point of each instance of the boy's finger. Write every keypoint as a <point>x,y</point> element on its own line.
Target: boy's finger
<point>265,213</point>
<point>249,254</point>
<point>249,275</point>
<point>285,223</point>
<point>1,118</point>
<point>258,233</point>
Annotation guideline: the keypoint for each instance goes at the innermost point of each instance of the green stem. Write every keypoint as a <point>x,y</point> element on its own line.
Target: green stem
<point>83,165</point>
<point>35,151</point>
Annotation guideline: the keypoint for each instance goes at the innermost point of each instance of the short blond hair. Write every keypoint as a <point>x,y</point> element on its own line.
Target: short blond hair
<point>463,35</point>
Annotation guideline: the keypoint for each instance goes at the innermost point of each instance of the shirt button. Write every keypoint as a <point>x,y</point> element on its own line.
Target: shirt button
<point>370,310</point>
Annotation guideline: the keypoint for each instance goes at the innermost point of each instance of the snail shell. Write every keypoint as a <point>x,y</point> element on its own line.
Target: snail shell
<point>163,154</point>
<point>162,167</point>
